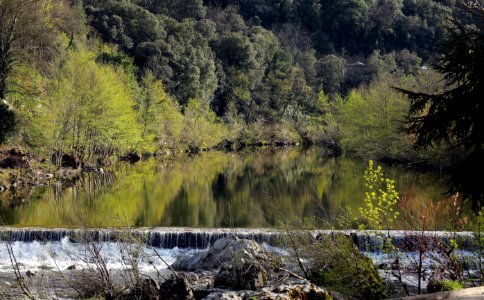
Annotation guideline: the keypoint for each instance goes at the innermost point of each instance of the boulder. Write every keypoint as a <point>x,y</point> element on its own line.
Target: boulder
<point>246,276</point>
<point>176,288</point>
<point>225,251</point>
<point>147,289</point>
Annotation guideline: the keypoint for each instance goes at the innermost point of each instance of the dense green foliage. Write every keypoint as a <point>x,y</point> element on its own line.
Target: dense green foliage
<point>337,264</point>
<point>109,77</point>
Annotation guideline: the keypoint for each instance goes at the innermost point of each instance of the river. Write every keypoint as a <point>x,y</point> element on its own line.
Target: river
<point>248,189</point>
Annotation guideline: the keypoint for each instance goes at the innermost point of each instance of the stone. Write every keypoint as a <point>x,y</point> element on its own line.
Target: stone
<point>224,296</point>
<point>246,276</point>
<point>176,288</point>
<point>303,290</point>
<point>226,250</point>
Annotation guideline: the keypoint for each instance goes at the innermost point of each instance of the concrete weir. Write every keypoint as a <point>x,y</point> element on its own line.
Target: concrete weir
<point>202,238</point>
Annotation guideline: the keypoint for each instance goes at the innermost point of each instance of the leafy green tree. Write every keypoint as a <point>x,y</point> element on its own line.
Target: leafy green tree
<point>90,109</point>
<point>372,119</point>
<point>160,117</point>
<point>178,9</point>
<point>331,71</point>
<point>152,96</point>
<point>188,58</point>
<point>201,127</point>
<point>27,31</point>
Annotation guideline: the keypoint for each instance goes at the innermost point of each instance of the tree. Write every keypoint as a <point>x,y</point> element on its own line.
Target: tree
<point>202,129</point>
<point>178,9</point>
<point>372,119</point>
<point>331,70</point>
<point>26,27</point>
<point>454,117</point>
<point>159,115</point>
<point>90,109</point>
<point>153,94</point>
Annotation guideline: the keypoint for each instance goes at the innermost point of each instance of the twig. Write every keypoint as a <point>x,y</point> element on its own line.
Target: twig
<point>296,252</point>
<point>18,275</point>
<point>290,273</point>
<point>167,264</point>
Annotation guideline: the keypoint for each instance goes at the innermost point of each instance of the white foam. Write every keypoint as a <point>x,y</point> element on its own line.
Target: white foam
<point>62,254</point>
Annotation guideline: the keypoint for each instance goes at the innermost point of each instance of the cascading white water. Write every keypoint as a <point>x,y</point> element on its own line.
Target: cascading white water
<point>58,249</point>
<point>59,255</point>
<point>194,238</point>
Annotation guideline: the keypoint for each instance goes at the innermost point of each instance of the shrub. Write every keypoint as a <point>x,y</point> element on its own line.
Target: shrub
<point>380,199</point>
<point>443,286</point>
<point>339,265</point>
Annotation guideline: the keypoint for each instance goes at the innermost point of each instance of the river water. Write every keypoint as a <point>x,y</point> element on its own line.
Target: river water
<point>243,189</point>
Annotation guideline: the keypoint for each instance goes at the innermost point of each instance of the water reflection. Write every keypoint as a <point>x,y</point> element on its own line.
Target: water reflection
<point>215,189</point>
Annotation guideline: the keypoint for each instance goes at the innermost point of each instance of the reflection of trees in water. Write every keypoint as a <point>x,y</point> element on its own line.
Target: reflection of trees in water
<point>90,185</point>
<point>216,189</point>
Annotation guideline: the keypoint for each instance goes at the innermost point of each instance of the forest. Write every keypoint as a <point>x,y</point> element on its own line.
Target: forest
<point>101,79</point>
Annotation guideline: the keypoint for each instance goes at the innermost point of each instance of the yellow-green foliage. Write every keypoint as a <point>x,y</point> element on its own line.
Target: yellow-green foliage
<point>201,128</point>
<point>371,120</point>
<point>171,127</point>
<point>90,107</point>
<point>380,199</point>
<point>159,116</point>
<point>31,86</point>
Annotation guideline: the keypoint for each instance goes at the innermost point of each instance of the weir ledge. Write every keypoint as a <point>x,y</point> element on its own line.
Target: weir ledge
<point>201,238</point>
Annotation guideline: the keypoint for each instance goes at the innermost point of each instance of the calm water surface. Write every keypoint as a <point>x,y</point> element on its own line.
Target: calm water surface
<point>215,189</point>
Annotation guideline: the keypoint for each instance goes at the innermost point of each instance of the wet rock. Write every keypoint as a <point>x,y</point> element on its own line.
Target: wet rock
<point>176,288</point>
<point>225,251</point>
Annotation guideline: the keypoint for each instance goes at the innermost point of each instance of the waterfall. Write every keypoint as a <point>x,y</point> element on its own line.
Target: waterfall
<point>192,238</point>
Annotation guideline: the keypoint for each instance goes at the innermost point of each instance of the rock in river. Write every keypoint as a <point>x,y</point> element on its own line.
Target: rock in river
<point>228,250</point>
